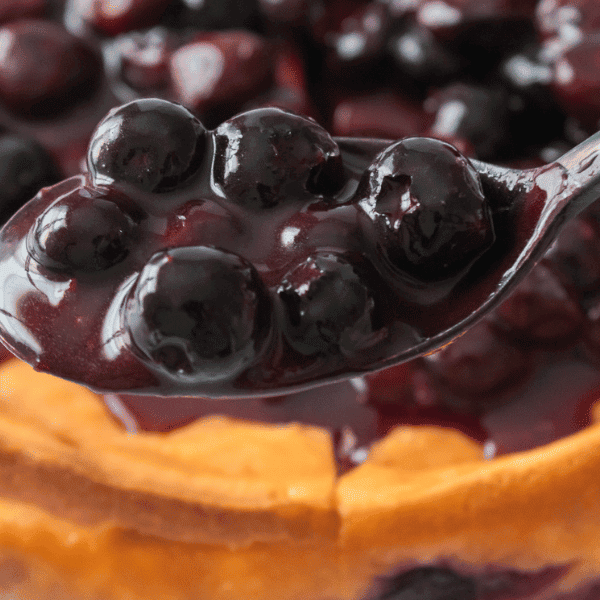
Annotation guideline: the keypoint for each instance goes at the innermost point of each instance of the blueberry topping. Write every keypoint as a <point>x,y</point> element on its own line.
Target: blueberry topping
<point>25,167</point>
<point>575,255</point>
<point>473,114</point>
<point>430,583</point>
<point>266,157</point>
<point>151,144</point>
<point>198,312</point>
<point>81,232</point>
<point>426,212</point>
<point>419,56</point>
<point>329,306</point>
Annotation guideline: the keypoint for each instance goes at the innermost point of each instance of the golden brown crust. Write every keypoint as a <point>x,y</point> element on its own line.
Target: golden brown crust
<point>282,525</point>
<point>217,480</point>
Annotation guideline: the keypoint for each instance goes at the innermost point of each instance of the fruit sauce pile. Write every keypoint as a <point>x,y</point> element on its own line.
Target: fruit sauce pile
<point>226,146</point>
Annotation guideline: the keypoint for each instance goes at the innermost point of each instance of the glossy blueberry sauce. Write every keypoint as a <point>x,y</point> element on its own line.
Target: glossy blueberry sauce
<point>275,236</point>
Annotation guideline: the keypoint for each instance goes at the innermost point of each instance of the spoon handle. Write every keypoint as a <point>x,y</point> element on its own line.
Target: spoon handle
<point>582,164</point>
<point>581,154</point>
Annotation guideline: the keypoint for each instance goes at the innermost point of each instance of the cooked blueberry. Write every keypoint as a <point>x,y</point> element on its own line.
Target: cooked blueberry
<point>82,231</point>
<point>419,56</point>
<point>429,583</point>
<point>25,167</point>
<point>541,309</point>
<point>479,363</point>
<point>141,59</point>
<point>268,156</point>
<point>361,40</point>
<point>575,255</point>
<point>44,69</point>
<point>426,212</point>
<point>215,73</point>
<point>536,119</point>
<point>474,114</point>
<point>200,312</point>
<point>152,144</point>
<point>329,306</point>
<point>576,80</point>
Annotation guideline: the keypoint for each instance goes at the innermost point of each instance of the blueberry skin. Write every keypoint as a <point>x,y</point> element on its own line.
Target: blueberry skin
<point>269,157</point>
<point>83,232</point>
<point>198,312</point>
<point>152,144</point>
<point>423,209</point>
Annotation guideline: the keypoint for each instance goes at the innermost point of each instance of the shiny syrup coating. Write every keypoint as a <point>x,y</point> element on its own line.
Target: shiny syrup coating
<point>71,321</point>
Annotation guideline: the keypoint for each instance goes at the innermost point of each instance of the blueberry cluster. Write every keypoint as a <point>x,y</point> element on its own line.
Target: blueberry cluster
<point>302,280</point>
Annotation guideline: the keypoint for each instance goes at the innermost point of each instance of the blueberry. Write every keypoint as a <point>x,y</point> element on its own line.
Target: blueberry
<point>430,583</point>
<point>576,81</point>
<point>25,167</point>
<point>329,306</point>
<point>479,364</point>
<point>541,309</point>
<point>83,231</point>
<point>141,59</point>
<point>475,114</point>
<point>152,144</point>
<point>215,73</point>
<point>198,312</point>
<point>425,209</point>
<point>419,56</point>
<point>45,71</point>
<point>268,156</point>
<point>575,255</point>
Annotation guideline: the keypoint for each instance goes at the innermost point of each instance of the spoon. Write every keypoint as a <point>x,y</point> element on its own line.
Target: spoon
<point>72,325</point>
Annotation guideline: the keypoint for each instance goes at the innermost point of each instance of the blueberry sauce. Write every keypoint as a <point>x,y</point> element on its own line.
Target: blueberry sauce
<point>215,74</point>
<point>360,250</point>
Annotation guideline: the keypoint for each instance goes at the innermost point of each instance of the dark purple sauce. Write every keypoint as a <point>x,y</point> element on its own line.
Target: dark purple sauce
<point>73,327</point>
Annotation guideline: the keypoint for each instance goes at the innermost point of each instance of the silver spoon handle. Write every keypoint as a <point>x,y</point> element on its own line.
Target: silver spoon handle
<point>582,165</point>
<point>582,154</point>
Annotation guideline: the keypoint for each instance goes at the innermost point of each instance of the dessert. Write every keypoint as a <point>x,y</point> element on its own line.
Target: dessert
<point>466,474</point>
